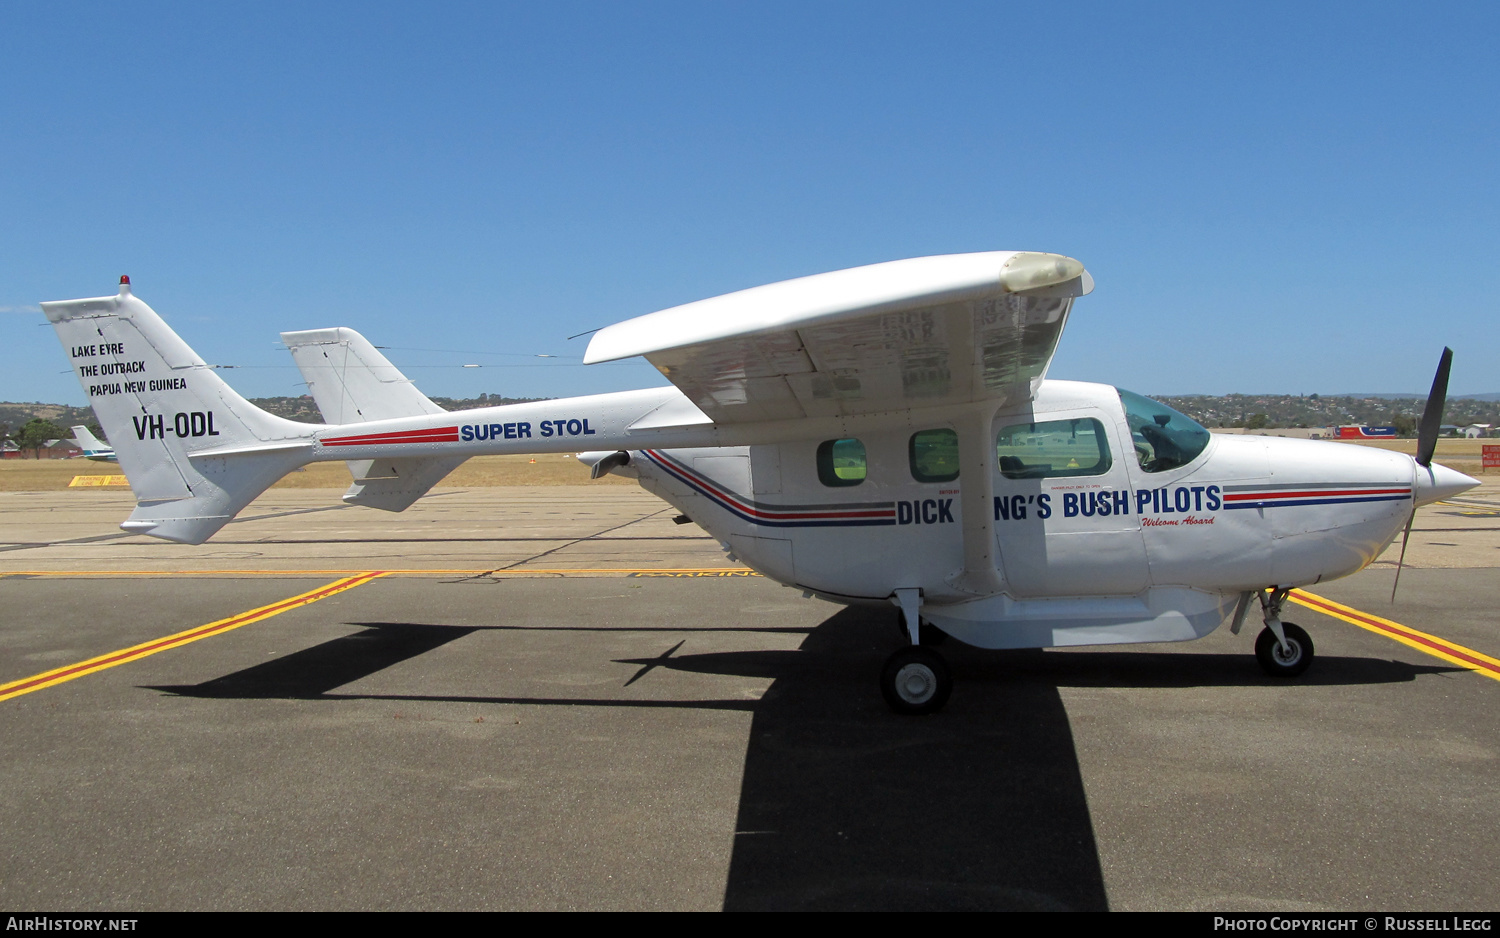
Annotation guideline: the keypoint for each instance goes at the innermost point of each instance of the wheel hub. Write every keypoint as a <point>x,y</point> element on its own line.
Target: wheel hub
<point>1288,655</point>
<point>916,683</point>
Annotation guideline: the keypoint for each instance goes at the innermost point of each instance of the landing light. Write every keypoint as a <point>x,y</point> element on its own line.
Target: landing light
<point>1030,271</point>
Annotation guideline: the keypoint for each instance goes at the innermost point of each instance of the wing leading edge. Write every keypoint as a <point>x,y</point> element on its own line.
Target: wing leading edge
<point>922,332</point>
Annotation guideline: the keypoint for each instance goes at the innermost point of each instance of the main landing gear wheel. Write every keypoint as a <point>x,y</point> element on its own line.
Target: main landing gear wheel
<point>916,680</point>
<point>1289,663</point>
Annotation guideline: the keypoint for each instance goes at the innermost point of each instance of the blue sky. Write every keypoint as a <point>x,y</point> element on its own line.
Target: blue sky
<point>1281,198</point>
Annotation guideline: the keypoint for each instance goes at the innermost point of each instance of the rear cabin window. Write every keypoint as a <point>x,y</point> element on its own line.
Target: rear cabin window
<point>934,455</point>
<point>1053,448</point>
<point>841,462</point>
<point>1163,438</point>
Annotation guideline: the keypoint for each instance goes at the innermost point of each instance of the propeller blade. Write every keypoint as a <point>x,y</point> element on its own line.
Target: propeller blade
<point>1402,560</point>
<point>1432,415</point>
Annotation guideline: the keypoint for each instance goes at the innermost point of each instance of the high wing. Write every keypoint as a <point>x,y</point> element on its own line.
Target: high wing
<point>922,332</point>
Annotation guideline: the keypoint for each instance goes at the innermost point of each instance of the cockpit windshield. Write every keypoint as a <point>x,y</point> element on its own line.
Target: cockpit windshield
<point>1163,438</point>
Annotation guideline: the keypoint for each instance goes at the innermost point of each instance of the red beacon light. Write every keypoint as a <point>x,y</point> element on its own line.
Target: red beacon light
<point>124,280</point>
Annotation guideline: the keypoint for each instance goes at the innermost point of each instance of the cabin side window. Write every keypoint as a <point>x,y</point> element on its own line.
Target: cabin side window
<point>841,463</point>
<point>1163,438</point>
<point>1053,448</point>
<point>934,455</point>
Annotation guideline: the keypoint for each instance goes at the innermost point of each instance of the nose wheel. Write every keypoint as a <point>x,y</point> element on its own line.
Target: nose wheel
<point>1287,660</point>
<point>916,680</point>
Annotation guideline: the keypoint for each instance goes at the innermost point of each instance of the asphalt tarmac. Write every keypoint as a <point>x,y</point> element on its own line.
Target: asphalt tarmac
<point>559,699</point>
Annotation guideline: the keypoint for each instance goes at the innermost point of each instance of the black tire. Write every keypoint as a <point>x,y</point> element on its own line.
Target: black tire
<point>1273,662</point>
<point>916,680</point>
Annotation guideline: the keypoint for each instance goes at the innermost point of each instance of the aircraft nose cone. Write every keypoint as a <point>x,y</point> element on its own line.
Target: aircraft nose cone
<point>1435,483</point>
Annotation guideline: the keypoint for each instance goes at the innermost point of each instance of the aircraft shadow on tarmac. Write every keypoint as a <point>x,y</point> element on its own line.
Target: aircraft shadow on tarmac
<point>846,806</point>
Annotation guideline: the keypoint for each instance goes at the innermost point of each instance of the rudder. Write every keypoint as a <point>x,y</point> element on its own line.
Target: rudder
<point>352,382</point>
<point>194,450</point>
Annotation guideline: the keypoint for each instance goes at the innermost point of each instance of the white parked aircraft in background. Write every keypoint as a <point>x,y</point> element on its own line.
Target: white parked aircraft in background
<point>884,434</point>
<point>92,446</point>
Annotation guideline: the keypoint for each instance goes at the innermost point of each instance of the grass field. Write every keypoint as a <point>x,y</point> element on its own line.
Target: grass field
<point>51,475</point>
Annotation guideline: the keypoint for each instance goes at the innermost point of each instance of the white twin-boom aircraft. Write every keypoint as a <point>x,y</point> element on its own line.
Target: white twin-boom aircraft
<point>884,434</point>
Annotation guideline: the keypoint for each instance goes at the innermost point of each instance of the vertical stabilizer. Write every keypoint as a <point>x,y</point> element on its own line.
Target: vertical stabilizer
<point>353,382</point>
<point>87,441</point>
<point>195,451</point>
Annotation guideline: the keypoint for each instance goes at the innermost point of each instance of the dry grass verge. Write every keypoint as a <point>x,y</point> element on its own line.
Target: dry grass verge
<point>53,475</point>
<point>1463,455</point>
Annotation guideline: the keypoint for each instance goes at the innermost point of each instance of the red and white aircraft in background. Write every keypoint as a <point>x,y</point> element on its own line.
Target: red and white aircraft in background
<point>884,434</point>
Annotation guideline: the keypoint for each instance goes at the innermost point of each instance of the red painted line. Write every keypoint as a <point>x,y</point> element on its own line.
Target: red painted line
<point>411,432</point>
<point>439,431</point>
<point>410,439</point>
<point>1419,639</point>
<point>406,434</point>
<point>434,435</point>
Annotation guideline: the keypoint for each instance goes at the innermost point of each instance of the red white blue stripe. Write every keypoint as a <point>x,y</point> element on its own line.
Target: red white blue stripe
<point>1326,493</point>
<point>857,514</point>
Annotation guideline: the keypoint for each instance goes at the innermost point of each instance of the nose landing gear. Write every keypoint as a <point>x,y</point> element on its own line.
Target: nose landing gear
<point>1287,659</point>
<point>1283,649</point>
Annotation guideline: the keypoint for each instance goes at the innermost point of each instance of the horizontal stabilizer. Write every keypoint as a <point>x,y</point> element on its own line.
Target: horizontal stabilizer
<point>395,484</point>
<point>222,487</point>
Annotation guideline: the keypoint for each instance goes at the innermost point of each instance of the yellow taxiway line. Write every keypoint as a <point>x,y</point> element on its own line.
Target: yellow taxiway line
<point>136,652</point>
<point>519,571</point>
<point>1421,641</point>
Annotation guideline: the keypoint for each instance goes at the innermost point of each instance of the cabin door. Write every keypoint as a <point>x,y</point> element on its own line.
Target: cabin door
<point>1063,514</point>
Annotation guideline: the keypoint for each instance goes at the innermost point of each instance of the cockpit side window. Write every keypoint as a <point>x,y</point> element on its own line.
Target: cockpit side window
<point>1163,438</point>
<point>1053,448</point>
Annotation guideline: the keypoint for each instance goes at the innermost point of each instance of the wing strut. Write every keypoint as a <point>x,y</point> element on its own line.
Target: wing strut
<point>976,459</point>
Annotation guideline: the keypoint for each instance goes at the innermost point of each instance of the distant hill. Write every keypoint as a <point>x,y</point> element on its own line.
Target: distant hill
<point>1423,395</point>
<point>12,416</point>
<point>1316,410</point>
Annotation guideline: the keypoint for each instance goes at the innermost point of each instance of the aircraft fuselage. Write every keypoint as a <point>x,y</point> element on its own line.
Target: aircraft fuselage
<point>1097,554</point>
